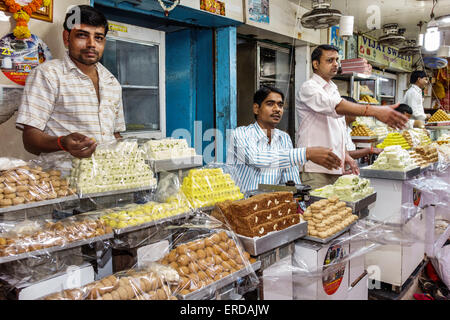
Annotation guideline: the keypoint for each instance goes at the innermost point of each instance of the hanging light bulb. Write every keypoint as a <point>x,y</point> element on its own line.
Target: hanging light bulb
<point>346,27</point>
<point>432,39</point>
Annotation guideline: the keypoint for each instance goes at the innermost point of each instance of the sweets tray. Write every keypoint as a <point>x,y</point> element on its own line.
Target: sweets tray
<point>437,124</point>
<point>206,291</point>
<point>44,203</point>
<point>45,251</point>
<point>363,138</point>
<point>334,236</point>
<point>258,245</point>
<point>176,163</point>
<point>153,223</point>
<point>389,174</point>
<point>356,206</point>
<point>115,192</point>
<point>38,204</point>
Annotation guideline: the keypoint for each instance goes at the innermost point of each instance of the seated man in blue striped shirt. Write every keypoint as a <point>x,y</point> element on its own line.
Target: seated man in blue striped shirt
<point>263,154</point>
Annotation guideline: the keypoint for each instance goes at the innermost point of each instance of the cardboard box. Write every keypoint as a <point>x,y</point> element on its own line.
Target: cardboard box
<point>277,280</point>
<point>360,290</point>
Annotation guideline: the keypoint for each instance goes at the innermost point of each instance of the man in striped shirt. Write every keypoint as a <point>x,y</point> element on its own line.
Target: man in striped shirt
<point>262,154</point>
<point>72,103</point>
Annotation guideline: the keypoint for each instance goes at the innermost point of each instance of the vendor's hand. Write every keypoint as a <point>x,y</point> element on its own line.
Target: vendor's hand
<point>388,115</point>
<point>323,157</point>
<point>427,116</point>
<point>349,161</point>
<point>377,151</point>
<point>79,145</point>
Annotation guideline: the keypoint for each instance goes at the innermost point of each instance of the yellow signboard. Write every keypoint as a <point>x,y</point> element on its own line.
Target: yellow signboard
<point>383,55</point>
<point>117,27</point>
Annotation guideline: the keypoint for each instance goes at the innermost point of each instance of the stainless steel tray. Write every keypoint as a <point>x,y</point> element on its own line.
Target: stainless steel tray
<point>55,248</point>
<point>256,246</point>
<point>356,206</point>
<point>389,174</point>
<point>176,163</point>
<point>115,192</point>
<point>153,223</point>
<point>364,137</point>
<point>211,288</point>
<point>334,236</point>
<point>37,204</point>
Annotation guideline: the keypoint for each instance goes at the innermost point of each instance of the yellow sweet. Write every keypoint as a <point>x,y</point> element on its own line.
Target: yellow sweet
<point>438,116</point>
<point>394,139</point>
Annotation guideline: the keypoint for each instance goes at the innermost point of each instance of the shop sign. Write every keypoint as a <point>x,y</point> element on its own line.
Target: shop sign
<point>116,27</point>
<point>20,56</point>
<point>384,55</point>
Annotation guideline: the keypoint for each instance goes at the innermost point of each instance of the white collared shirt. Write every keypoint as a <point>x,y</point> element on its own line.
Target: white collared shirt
<point>258,162</point>
<point>319,123</point>
<point>414,99</point>
<point>60,99</point>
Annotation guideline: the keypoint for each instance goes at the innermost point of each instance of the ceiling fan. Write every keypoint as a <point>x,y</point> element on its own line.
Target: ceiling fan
<point>393,35</point>
<point>322,16</point>
<point>410,48</point>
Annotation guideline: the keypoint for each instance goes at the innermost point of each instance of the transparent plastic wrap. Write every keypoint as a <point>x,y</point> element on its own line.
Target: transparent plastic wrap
<point>211,184</point>
<point>24,183</point>
<point>166,203</point>
<point>365,235</point>
<point>195,261</point>
<point>117,165</point>
<point>436,189</point>
<point>28,238</point>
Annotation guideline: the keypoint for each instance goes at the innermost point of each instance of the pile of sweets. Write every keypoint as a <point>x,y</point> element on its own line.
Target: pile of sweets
<point>381,132</point>
<point>393,158</point>
<point>326,217</point>
<point>407,135</point>
<point>133,215</point>
<point>168,149</point>
<point>444,152</point>
<point>130,285</point>
<point>206,260</point>
<point>260,214</point>
<point>424,156</point>
<point>419,137</point>
<point>25,184</point>
<point>349,188</point>
<point>444,139</point>
<point>439,116</point>
<point>394,139</point>
<point>51,234</point>
<point>116,166</point>
<point>206,187</point>
<point>362,131</point>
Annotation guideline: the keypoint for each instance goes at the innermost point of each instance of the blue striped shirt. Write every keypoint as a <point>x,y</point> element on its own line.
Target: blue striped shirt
<point>258,162</point>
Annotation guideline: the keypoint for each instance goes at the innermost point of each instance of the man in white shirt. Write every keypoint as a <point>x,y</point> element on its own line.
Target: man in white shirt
<point>413,96</point>
<point>262,154</point>
<point>320,109</point>
<point>71,104</point>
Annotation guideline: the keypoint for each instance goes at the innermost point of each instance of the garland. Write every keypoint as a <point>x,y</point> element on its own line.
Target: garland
<point>22,15</point>
<point>168,9</point>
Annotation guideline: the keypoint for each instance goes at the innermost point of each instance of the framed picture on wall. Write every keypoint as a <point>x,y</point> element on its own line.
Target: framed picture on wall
<point>335,40</point>
<point>44,13</point>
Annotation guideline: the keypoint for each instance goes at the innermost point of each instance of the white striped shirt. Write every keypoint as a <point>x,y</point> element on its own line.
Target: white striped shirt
<point>60,99</point>
<point>258,162</point>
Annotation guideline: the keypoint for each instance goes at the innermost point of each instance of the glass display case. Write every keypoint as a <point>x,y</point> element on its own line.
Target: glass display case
<point>136,64</point>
